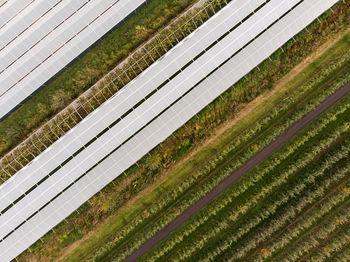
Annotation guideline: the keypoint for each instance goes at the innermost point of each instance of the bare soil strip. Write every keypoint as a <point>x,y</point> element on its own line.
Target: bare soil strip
<point>240,172</point>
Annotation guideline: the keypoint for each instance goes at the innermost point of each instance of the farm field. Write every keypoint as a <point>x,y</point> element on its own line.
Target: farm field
<point>282,191</point>
<point>54,207</point>
<point>232,158</point>
<point>315,94</point>
<point>326,79</point>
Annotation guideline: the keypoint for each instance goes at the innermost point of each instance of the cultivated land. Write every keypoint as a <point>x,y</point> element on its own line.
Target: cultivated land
<point>232,179</point>
<point>172,210</point>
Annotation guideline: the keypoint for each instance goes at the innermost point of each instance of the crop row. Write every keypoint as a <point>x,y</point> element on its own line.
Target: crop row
<point>342,255</point>
<point>324,230</point>
<point>304,224</point>
<point>298,201</point>
<point>337,243</point>
<point>204,188</point>
<point>219,206</point>
<point>234,213</point>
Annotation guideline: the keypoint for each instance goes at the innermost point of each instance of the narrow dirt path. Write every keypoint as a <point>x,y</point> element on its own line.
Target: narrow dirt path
<point>240,172</point>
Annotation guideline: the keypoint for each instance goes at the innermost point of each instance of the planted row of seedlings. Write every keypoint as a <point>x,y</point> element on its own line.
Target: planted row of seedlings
<point>306,222</point>
<point>286,214</point>
<point>331,235</point>
<point>185,195</point>
<point>242,248</point>
<point>243,202</point>
<point>341,256</point>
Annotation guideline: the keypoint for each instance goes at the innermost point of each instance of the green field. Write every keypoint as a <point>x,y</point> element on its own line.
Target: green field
<point>186,184</point>
<point>310,169</point>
